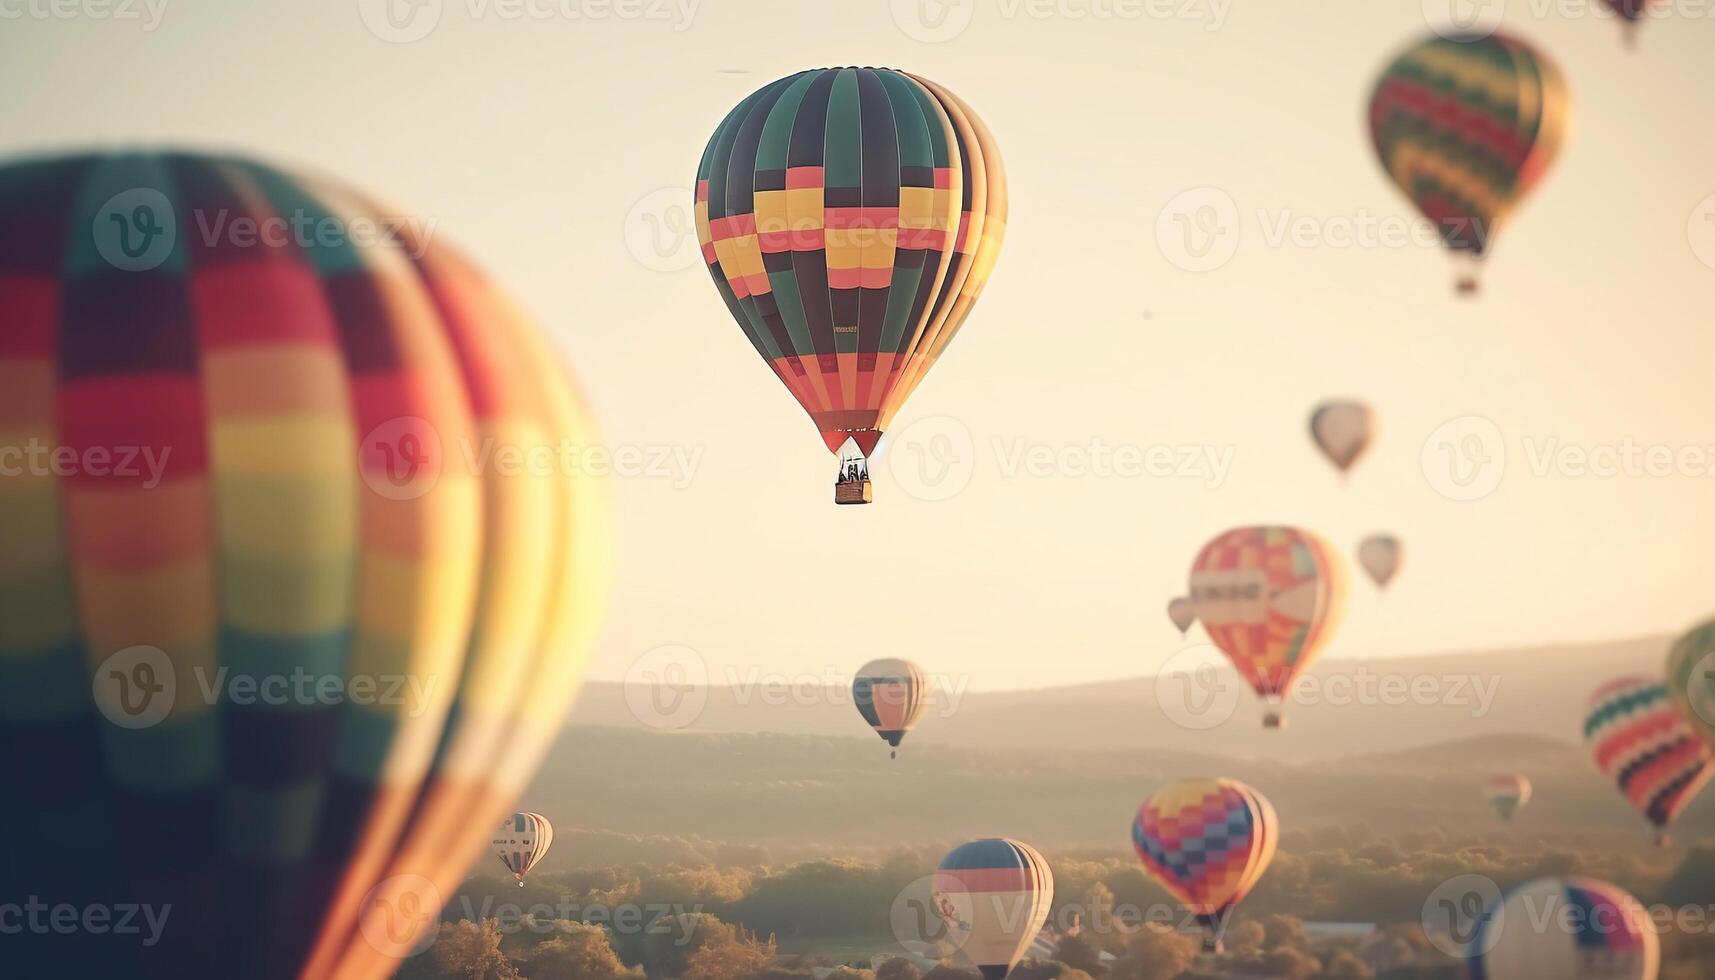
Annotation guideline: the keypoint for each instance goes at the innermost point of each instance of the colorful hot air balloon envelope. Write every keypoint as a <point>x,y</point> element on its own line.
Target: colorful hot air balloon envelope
<point>850,218</point>
<point>1466,126</point>
<point>1596,931</point>
<point>1207,842</point>
<point>1269,597</point>
<point>522,841</point>
<point>994,896</point>
<point>1691,679</point>
<point>391,638</point>
<point>1380,555</point>
<point>1342,430</point>
<point>1507,795</point>
<point>1182,612</point>
<point>890,695</point>
<point>1639,740</point>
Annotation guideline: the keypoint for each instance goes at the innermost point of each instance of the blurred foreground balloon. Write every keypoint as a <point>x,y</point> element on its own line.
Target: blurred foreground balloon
<point>1691,679</point>
<point>271,653</point>
<point>522,841</point>
<point>1466,126</point>
<point>1507,795</point>
<point>1565,929</point>
<point>1640,741</point>
<point>1269,597</point>
<point>890,693</point>
<point>994,896</point>
<point>1207,842</point>
<point>1342,430</point>
<point>1182,612</point>
<point>850,218</point>
<point>1380,554</point>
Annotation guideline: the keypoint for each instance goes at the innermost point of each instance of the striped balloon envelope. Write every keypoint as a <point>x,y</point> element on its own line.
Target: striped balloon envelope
<point>850,218</point>
<point>994,896</point>
<point>1595,931</point>
<point>272,652</point>
<point>1507,795</point>
<point>1207,842</point>
<point>1466,126</point>
<point>1270,598</point>
<point>1639,740</point>
<point>1691,678</point>
<point>522,841</point>
<point>890,695</point>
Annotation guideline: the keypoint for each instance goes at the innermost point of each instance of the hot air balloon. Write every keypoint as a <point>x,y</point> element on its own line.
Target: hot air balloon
<point>1380,554</point>
<point>994,895</point>
<point>1269,597</point>
<point>850,218</point>
<point>522,841</point>
<point>1182,612</point>
<point>1598,932</point>
<point>1629,12</point>
<point>1208,842</point>
<point>1691,678</point>
<point>286,677</point>
<point>1639,740</point>
<point>1466,126</point>
<point>1507,795</point>
<point>1342,430</point>
<point>890,693</point>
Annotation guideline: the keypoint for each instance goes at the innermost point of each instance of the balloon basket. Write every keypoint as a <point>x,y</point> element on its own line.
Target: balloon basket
<point>1468,287</point>
<point>853,492</point>
<point>1273,721</point>
<point>1213,945</point>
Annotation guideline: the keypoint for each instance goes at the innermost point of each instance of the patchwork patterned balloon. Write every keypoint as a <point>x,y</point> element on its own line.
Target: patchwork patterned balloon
<point>1270,598</point>
<point>1639,739</point>
<point>1208,842</point>
<point>994,896</point>
<point>1507,795</point>
<point>1599,932</point>
<point>1691,678</point>
<point>850,217</point>
<point>1466,126</point>
<point>890,694</point>
<point>287,678</point>
<point>522,841</point>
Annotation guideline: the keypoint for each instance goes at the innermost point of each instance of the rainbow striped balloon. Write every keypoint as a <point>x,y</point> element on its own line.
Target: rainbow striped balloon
<point>1639,740</point>
<point>1207,842</point>
<point>522,841</point>
<point>994,895</point>
<point>276,647</point>
<point>1594,931</point>
<point>850,218</point>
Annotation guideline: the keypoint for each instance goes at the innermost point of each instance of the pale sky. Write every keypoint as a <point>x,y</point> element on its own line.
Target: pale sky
<point>551,147</point>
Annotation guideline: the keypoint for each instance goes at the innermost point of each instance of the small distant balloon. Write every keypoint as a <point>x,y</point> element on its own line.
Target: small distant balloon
<point>1183,613</point>
<point>1342,430</point>
<point>1507,795</point>
<point>889,694</point>
<point>1639,740</point>
<point>1380,555</point>
<point>1601,932</point>
<point>522,841</point>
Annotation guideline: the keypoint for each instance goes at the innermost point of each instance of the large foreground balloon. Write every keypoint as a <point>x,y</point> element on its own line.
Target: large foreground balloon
<point>1380,555</point>
<point>850,218</point>
<point>890,694</point>
<point>1565,929</point>
<point>1507,795</point>
<point>1270,597</point>
<point>994,896</point>
<point>1342,430</point>
<point>1207,842</point>
<point>522,841</point>
<point>271,654</point>
<point>1691,678</point>
<point>1639,740</point>
<point>1466,126</point>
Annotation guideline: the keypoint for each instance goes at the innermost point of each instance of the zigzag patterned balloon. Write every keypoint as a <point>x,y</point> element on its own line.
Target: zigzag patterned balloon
<point>1639,739</point>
